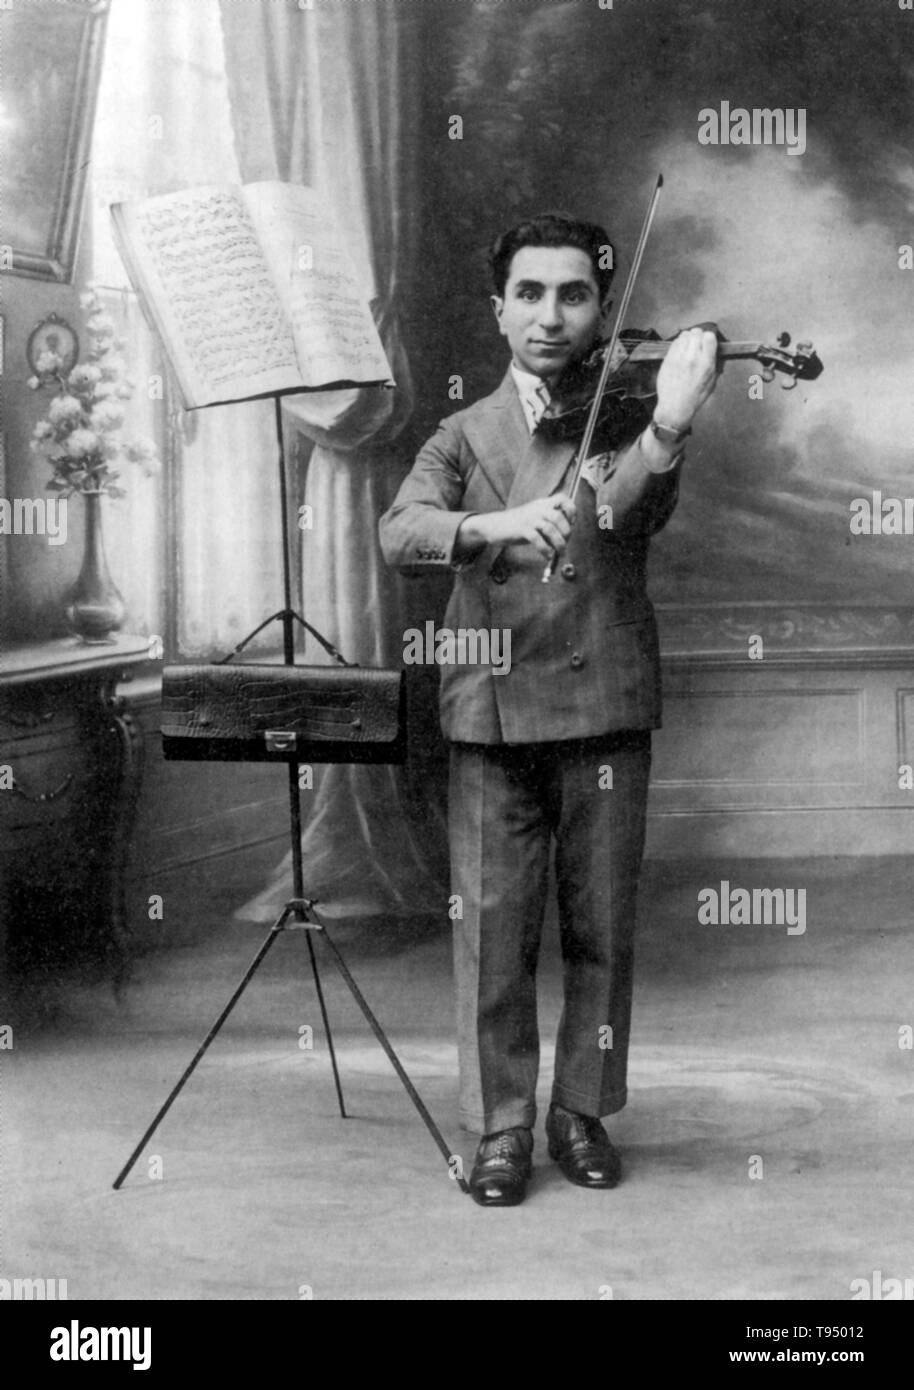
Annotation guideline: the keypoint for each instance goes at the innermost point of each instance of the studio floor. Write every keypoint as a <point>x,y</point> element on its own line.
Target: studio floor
<point>767,1139</point>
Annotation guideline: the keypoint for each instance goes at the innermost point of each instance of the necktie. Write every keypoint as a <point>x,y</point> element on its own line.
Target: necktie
<point>538,401</point>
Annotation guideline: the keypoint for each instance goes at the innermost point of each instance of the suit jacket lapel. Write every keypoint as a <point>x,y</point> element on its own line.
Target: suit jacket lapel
<point>518,466</point>
<point>541,470</point>
<point>498,435</point>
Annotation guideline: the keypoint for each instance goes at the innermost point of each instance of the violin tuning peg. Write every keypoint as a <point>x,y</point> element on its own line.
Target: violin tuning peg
<point>783,340</point>
<point>790,384</point>
<point>804,347</point>
<point>768,374</point>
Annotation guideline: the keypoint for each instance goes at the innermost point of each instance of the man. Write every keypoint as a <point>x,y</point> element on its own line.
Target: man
<point>557,746</point>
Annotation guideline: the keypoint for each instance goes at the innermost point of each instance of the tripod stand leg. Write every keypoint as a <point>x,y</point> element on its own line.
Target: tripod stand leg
<point>379,1033</point>
<point>299,906</point>
<point>274,931</point>
<point>326,1022</point>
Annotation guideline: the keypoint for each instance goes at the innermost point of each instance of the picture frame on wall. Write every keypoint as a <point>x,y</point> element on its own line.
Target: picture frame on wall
<point>52,56</point>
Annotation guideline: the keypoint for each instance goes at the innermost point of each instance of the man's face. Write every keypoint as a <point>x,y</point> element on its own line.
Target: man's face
<point>551,311</point>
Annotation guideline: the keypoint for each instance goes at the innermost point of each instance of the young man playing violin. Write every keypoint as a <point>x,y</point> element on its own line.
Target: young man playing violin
<point>557,747</point>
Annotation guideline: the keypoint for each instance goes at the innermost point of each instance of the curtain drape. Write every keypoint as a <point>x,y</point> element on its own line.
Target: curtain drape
<point>322,96</point>
<point>163,123</point>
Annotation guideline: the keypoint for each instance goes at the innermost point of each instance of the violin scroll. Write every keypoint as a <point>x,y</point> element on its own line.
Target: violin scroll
<point>803,364</point>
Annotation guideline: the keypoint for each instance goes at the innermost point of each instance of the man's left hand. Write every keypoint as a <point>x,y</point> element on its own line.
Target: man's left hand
<point>687,377</point>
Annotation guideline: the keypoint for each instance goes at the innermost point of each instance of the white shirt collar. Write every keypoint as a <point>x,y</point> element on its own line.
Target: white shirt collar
<point>533,392</point>
<point>527,383</point>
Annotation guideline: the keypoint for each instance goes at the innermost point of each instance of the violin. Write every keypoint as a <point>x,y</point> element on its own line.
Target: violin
<point>630,390</point>
<point>614,388</point>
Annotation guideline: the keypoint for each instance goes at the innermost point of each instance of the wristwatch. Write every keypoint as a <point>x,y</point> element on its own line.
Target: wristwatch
<point>667,435</point>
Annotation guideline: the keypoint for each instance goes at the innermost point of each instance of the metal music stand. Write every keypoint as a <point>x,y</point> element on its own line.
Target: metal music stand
<point>298,913</point>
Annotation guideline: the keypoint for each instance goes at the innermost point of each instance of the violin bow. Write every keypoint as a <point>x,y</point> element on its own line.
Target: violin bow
<point>610,352</point>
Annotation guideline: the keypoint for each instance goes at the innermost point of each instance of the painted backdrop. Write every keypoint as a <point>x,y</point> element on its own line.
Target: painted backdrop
<point>572,106</point>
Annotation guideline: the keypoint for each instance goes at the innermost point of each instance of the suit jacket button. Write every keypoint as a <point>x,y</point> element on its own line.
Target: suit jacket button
<point>569,571</point>
<point>577,659</point>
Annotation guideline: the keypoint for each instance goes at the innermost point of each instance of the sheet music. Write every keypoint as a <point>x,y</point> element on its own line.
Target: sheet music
<point>218,302</point>
<point>334,333</point>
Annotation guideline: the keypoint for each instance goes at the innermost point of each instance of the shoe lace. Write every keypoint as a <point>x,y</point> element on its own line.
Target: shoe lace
<point>500,1147</point>
<point>590,1127</point>
<point>593,1129</point>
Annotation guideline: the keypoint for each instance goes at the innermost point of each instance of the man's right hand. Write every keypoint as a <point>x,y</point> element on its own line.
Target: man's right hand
<point>545,522</point>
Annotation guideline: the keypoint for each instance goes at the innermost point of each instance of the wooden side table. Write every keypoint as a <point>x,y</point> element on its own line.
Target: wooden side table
<point>65,824</point>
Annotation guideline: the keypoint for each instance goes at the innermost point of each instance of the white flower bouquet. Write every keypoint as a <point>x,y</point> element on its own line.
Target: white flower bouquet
<point>82,434</point>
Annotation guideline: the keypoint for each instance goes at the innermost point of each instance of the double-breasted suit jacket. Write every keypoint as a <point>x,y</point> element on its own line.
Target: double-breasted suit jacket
<point>584,655</point>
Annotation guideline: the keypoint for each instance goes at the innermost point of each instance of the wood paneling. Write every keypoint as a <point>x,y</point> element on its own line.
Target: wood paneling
<point>797,754</point>
<point>781,759</point>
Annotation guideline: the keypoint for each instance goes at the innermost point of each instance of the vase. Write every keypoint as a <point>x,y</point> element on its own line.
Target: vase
<point>94,608</point>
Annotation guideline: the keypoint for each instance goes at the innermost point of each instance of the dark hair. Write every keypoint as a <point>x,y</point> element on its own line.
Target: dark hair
<point>551,229</point>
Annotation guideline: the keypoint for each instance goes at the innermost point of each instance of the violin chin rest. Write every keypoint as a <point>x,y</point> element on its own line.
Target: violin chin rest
<point>621,419</point>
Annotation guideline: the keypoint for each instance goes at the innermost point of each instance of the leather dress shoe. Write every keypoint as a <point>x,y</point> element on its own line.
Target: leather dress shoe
<point>502,1168</point>
<point>581,1147</point>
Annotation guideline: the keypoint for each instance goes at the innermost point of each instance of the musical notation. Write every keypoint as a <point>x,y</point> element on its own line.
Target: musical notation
<point>252,290</point>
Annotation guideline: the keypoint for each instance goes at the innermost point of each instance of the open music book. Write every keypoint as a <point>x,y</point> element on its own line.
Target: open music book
<point>250,290</point>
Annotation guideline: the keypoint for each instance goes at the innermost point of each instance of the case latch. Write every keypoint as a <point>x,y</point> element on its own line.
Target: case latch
<point>281,740</point>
